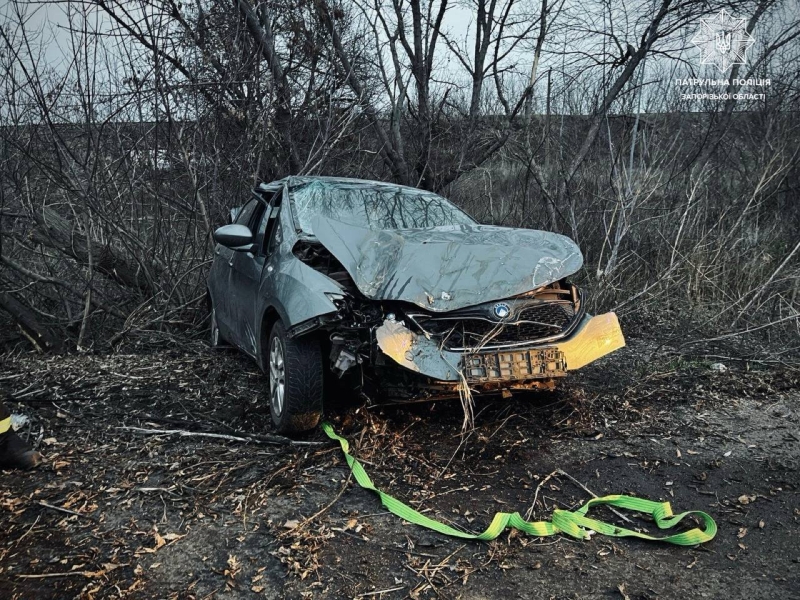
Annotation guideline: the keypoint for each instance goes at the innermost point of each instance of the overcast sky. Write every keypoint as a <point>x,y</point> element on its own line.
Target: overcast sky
<point>49,24</point>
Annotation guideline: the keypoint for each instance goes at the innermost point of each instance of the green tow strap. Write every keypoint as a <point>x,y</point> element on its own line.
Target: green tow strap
<point>573,523</point>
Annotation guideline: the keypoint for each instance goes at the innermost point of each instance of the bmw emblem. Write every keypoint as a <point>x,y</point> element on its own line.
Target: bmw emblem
<point>502,310</point>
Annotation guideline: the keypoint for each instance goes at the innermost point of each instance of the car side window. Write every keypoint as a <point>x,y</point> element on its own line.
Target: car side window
<point>262,228</point>
<point>257,226</point>
<point>266,228</point>
<point>246,213</point>
<point>273,236</point>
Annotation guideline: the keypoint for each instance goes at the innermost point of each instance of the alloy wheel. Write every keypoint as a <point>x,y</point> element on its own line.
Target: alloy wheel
<point>277,376</point>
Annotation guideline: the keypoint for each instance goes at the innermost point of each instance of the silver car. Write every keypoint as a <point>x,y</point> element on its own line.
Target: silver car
<point>396,291</point>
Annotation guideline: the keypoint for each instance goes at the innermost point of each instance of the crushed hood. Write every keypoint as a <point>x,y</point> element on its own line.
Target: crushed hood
<point>450,267</point>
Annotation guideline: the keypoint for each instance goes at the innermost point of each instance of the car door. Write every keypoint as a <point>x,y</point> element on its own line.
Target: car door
<point>245,280</point>
<point>225,302</point>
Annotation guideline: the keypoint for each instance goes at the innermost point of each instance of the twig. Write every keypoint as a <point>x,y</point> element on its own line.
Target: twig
<point>378,592</point>
<point>146,490</point>
<point>463,440</point>
<point>262,439</point>
<point>423,573</point>
<point>28,531</point>
<point>446,559</point>
<point>536,495</point>
<point>743,332</point>
<point>764,286</point>
<point>66,510</point>
<point>67,574</point>
<point>321,511</point>
<point>28,392</point>
<point>592,494</point>
<point>10,377</point>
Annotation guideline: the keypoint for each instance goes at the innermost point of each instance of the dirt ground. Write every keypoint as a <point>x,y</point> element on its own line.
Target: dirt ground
<point>121,513</point>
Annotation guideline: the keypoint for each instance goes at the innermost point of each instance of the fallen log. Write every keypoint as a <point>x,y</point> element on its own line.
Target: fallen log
<point>40,336</point>
<point>60,283</point>
<point>55,231</point>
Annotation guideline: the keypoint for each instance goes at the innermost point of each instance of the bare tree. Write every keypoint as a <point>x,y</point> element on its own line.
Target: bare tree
<point>117,165</point>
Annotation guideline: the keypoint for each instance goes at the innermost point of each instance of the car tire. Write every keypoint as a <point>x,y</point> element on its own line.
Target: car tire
<point>295,371</point>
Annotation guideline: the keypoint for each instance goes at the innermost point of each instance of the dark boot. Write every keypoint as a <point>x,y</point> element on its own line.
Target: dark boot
<point>16,454</point>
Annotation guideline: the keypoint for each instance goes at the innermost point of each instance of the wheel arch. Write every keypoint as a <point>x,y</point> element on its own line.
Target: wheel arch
<point>269,317</point>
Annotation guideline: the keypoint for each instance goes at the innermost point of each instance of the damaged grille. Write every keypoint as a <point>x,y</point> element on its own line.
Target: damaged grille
<point>527,323</point>
<point>520,364</point>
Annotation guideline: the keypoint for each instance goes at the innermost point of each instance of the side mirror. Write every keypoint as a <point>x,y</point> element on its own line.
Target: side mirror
<point>235,237</point>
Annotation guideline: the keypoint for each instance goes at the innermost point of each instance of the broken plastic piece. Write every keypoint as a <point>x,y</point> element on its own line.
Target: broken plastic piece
<point>345,360</point>
<point>596,337</point>
<point>416,352</point>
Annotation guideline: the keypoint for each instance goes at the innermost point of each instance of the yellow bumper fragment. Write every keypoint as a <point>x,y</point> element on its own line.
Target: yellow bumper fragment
<point>597,336</point>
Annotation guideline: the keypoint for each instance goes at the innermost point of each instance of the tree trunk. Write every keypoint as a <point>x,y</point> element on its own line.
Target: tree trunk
<point>56,232</point>
<point>260,29</point>
<point>42,338</point>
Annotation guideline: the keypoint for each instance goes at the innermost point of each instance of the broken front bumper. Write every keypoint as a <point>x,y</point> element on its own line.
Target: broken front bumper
<point>593,338</point>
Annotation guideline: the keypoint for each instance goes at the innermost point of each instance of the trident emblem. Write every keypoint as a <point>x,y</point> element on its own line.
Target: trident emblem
<point>723,42</point>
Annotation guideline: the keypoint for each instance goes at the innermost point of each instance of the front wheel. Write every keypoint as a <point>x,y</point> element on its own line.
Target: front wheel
<point>295,381</point>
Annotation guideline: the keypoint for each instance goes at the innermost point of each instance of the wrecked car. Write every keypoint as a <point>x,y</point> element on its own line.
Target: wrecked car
<point>397,291</point>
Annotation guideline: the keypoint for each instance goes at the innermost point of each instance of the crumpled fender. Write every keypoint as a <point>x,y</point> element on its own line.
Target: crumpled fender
<point>416,352</point>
